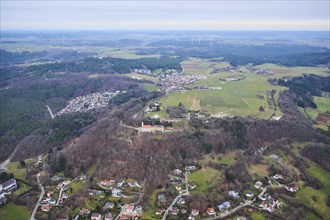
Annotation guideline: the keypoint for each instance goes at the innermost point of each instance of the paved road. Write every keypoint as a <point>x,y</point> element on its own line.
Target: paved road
<point>223,215</point>
<point>186,180</point>
<point>4,164</point>
<point>61,192</point>
<point>50,112</point>
<point>246,203</point>
<point>173,203</point>
<point>40,198</point>
<point>186,193</point>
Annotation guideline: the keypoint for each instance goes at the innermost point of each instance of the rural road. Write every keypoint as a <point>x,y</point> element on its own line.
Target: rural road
<point>40,198</point>
<point>50,112</point>
<point>61,192</point>
<point>223,215</point>
<point>4,164</point>
<point>176,198</point>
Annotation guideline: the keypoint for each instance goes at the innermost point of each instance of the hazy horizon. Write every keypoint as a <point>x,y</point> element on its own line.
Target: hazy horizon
<point>166,15</point>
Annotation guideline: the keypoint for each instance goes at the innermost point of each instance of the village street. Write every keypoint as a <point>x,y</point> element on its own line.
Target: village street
<point>186,193</point>
<point>61,192</point>
<point>40,198</point>
<point>246,203</point>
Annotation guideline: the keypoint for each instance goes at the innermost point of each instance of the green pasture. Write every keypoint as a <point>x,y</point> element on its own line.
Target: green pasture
<point>14,212</point>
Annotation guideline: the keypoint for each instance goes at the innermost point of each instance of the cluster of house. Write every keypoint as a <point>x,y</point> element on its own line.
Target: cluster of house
<point>291,187</point>
<point>109,184</point>
<point>98,216</point>
<point>263,72</point>
<point>49,200</point>
<point>207,88</point>
<point>268,203</point>
<point>89,102</point>
<point>63,184</point>
<point>233,78</point>
<point>6,188</point>
<point>177,82</point>
<point>154,107</point>
<point>160,75</point>
<point>132,210</point>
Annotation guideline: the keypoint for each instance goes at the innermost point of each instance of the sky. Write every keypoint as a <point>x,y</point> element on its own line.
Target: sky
<point>166,15</point>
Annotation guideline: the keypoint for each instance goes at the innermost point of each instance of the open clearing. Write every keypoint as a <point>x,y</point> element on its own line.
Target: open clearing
<point>204,178</point>
<point>14,212</point>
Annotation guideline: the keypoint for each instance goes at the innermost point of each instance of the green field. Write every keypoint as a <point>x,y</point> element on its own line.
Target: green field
<point>14,212</point>
<point>201,66</point>
<point>242,97</point>
<point>235,98</point>
<point>204,178</point>
<point>149,213</point>
<point>306,193</point>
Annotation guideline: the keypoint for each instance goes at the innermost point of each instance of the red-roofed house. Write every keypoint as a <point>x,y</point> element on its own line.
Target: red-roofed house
<point>46,208</point>
<point>210,211</point>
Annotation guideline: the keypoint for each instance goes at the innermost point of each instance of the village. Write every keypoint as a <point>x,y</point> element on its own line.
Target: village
<point>89,102</point>
<point>120,199</point>
<point>171,80</point>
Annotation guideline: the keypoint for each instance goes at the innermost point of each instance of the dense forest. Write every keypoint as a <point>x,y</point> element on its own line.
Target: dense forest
<point>305,87</point>
<point>282,54</point>
<point>318,153</point>
<point>8,57</point>
<point>24,113</point>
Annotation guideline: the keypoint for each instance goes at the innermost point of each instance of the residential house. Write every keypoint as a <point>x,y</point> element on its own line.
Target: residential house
<point>121,183</point>
<point>108,216</point>
<point>224,206</point>
<point>175,211</point>
<point>258,185</point>
<point>116,192</point>
<point>96,216</point>
<point>181,201</point>
<point>190,168</point>
<point>105,183</point>
<point>108,205</point>
<point>52,201</point>
<point>177,172</point>
<point>233,194</point>
<point>9,185</point>
<point>129,209</point>
<point>84,211</point>
<point>159,211</point>
<point>138,209</point>
<point>249,195</point>
<point>179,188</point>
<point>194,212</point>
<point>191,185</point>
<point>210,211</point>
<point>161,198</point>
<point>64,196</point>
<point>278,176</point>
<point>294,188</point>
<point>46,208</point>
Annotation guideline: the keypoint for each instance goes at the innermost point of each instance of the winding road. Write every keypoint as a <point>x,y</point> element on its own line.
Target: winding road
<point>186,193</point>
<point>40,198</point>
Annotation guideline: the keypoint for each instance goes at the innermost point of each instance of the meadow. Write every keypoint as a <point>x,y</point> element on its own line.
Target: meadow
<point>242,98</point>
<point>14,212</point>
